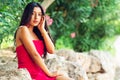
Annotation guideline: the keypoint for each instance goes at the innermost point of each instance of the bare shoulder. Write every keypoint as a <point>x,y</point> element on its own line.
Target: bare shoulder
<point>23,28</point>
<point>22,31</point>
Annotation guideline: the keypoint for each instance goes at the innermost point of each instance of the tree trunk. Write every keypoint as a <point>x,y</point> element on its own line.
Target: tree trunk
<point>46,3</point>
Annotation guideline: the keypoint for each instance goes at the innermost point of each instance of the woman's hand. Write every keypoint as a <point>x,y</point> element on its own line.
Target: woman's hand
<point>54,74</point>
<point>42,24</point>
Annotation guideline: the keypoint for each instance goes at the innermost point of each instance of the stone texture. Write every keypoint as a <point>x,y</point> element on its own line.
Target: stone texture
<point>93,65</point>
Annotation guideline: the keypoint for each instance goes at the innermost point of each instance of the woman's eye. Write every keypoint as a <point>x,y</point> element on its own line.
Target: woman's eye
<point>40,14</point>
<point>33,13</point>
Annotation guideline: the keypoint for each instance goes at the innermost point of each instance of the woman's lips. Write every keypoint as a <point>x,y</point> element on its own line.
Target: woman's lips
<point>35,21</point>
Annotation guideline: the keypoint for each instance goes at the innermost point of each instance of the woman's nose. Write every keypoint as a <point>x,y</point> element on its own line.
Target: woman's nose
<point>36,16</point>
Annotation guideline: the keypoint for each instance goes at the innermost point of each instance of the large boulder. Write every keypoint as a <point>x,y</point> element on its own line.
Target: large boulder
<point>92,65</point>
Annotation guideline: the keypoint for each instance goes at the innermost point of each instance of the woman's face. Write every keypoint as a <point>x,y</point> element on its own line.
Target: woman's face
<point>36,16</point>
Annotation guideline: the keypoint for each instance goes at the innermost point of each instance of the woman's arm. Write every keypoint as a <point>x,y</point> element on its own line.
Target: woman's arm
<point>26,39</point>
<point>48,42</point>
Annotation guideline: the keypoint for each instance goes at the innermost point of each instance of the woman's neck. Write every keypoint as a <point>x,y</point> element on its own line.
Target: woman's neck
<point>30,27</point>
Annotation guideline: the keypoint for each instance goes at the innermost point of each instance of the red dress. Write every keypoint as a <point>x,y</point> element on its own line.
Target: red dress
<point>25,61</point>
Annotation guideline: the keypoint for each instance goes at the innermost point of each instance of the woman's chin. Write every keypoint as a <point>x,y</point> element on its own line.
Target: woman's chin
<point>35,25</point>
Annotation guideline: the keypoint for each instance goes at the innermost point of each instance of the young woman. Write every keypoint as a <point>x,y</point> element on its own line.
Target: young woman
<point>33,42</point>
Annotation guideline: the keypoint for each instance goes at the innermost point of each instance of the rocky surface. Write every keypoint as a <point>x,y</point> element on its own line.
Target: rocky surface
<point>93,65</point>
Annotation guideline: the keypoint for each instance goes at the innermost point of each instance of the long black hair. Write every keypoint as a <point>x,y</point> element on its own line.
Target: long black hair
<point>26,17</point>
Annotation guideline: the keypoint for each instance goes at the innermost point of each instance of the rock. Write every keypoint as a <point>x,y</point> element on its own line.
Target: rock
<point>68,68</point>
<point>107,71</point>
<point>94,65</point>
<point>15,74</point>
<point>70,55</point>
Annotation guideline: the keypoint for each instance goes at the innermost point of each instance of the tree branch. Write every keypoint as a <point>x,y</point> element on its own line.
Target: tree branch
<point>46,3</point>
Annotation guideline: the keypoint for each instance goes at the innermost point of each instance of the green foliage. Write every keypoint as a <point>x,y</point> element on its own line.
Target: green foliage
<point>93,21</point>
<point>10,13</point>
<point>60,44</point>
<point>66,15</point>
<point>9,18</point>
<point>97,27</point>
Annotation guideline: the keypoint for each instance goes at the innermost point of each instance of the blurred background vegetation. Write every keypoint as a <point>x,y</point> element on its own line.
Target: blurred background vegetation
<point>81,25</point>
